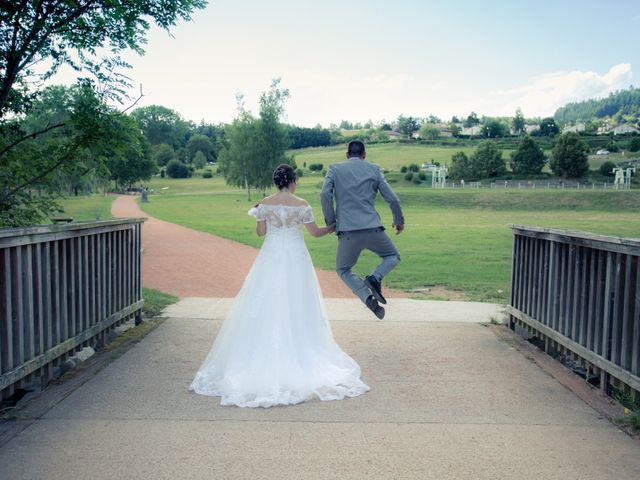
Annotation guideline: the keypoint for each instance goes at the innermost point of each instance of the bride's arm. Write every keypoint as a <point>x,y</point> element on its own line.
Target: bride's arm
<point>261,228</point>
<point>317,231</point>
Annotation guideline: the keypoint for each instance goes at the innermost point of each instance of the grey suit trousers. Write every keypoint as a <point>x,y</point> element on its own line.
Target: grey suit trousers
<point>350,246</point>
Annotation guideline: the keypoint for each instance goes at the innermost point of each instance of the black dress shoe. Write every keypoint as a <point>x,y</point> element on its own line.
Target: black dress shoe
<point>374,285</point>
<point>372,304</point>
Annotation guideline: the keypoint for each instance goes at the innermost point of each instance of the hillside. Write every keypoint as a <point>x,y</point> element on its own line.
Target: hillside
<point>620,103</point>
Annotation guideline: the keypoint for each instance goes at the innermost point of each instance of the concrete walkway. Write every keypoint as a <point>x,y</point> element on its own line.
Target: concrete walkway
<point>448,400</point>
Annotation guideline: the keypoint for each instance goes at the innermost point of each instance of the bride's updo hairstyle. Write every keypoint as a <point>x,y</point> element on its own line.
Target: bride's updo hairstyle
<point>283,176</point>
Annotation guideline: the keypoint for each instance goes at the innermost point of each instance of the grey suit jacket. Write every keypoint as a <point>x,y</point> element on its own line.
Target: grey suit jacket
<point>353,185</point>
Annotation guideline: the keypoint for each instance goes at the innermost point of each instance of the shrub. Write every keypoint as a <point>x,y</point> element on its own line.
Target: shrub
<point>607,168</point>
<point>569,158</point>
<point>207,174</point>
<point>324,173</point>
<point>634,144</point>
<point>408,176</point>
<point>299,172</point>
<point>177,169</point>
<point>162,173</point>
<point>403,169</point>
<point>612,147</point>
<point>422,176</point>
<point>414,167</point>
<point>315,167</point>
<point>416,179</point>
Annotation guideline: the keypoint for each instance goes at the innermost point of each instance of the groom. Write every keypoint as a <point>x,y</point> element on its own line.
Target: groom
<point>354,185</point>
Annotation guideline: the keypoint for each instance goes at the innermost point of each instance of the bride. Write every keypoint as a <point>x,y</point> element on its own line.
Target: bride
<point>275,346</point>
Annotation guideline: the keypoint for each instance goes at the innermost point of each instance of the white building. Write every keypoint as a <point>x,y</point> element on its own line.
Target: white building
<point>623,129</point>
<point>577,128</point>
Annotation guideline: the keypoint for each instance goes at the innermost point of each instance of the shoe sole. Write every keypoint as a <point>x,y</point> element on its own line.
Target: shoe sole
<point>378,296</point>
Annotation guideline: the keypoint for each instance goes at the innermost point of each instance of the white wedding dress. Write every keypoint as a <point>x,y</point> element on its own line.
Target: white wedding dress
<point>275,346</point>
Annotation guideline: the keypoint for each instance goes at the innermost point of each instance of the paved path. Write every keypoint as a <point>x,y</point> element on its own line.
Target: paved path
<point>188,263</point>
<point>448,400</point>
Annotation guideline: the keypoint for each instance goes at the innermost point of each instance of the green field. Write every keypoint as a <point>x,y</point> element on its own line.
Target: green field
<point>87,207</point>
<point>458,239</point>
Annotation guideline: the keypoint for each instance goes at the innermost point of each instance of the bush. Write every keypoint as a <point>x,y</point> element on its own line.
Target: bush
<point>324,173</point>
<point>315,167</point>
<point>414,167</point>
<point>408,176</point>
<point>416,179</point>
<point>299,173</point>
<point>207,174</point>
<point>634,144</point>
<point>403,169</point>
<point>422,176</point>
<point>612,147</point>
<point>177,169</point>
<point>162,173</point>
<point>607,168</point>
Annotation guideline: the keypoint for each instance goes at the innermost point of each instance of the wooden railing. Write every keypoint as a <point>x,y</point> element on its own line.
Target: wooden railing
<point>62,288</point>
<point>579,293</point>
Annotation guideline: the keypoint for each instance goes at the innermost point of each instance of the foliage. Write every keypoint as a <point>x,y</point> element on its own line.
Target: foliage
<point>634,144</point>
<point>308,137</point>
<point>528,158</point>
<point>607,168</point>
<point>162,154</point>
<point>493,128</point>
<point>429,131</point>
<point>315,167</point>
<point>299,173</point>
<point>569,157</point>
<point>156,301</point>
<point>413,167</point>
<point>207,174</point>
<point>200,143</point>
<point>42,150</point>
<point>199,160</point>
<point>127,153</point>
<point>416,179</point>
<point>254,147</point>
<point>454,129</point>
<point>487,161</point>
<point>403,169</point>
<point>408,125</point>
<point>617,104</point>
<point>518,122</point>
<point>612,147</point>
<point>408,176</point>
<point>422,176</point>
<point>177,169</point>
<point>461,166</point>
<point>471,120</point>
<point>548,127</point>
<point>162,125</point>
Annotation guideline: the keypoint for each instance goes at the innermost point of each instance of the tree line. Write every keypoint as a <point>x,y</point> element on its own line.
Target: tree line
<point>621,106</point>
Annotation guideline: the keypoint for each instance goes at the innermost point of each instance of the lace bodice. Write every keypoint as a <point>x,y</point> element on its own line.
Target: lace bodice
<point>280,217</point>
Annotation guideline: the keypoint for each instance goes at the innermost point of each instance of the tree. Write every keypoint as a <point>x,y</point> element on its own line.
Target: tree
<point>52,33</point>
<point>518,122</point>
<point>569,158</point>
<point>634,145</point>
<point>200,143</point>
<point>199,160</point>
<point>162,154</point>
<point>177,169</point>
<point>408,125</point>
<point>528,158</point>
<point>429,131</point>
<point>128,157</point>
<point>162,125</point>
<point>548,127</point>
<point>607,168</point>
<point>461,167</point>
<point>454,129</point>
<point>493,128</point>
<point>252,147</point>
<point>471,120</point>
<point>487,161</point>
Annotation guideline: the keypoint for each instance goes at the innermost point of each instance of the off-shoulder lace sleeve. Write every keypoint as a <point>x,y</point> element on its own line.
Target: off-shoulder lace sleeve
<point>258,212</point>
<point>307,215</point>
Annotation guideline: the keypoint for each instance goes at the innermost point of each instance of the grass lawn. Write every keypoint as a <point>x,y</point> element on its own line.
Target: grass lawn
<point>455,238</point>
<point>87,207</point>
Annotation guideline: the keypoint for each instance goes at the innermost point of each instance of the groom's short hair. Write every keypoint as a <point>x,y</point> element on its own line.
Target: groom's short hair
<point>356,148</point>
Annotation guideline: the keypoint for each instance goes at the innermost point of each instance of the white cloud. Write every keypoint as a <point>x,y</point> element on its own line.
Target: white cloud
<point>546,93</point>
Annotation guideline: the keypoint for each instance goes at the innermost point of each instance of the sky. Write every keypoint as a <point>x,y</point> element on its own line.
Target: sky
<point>365,60</point>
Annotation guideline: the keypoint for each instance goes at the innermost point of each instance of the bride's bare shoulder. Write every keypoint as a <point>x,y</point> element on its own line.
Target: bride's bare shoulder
<point>300,202</point>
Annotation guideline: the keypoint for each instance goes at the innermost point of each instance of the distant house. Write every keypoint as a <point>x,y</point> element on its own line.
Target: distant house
<point>429,167</point>
<point>623,129</point>
<point>577,128</point>
<point>393,135</point>
<point>471,131</point>
<point>529,129</point>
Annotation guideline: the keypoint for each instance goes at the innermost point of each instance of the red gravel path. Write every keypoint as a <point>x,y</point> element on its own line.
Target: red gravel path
<point>188,263</point>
